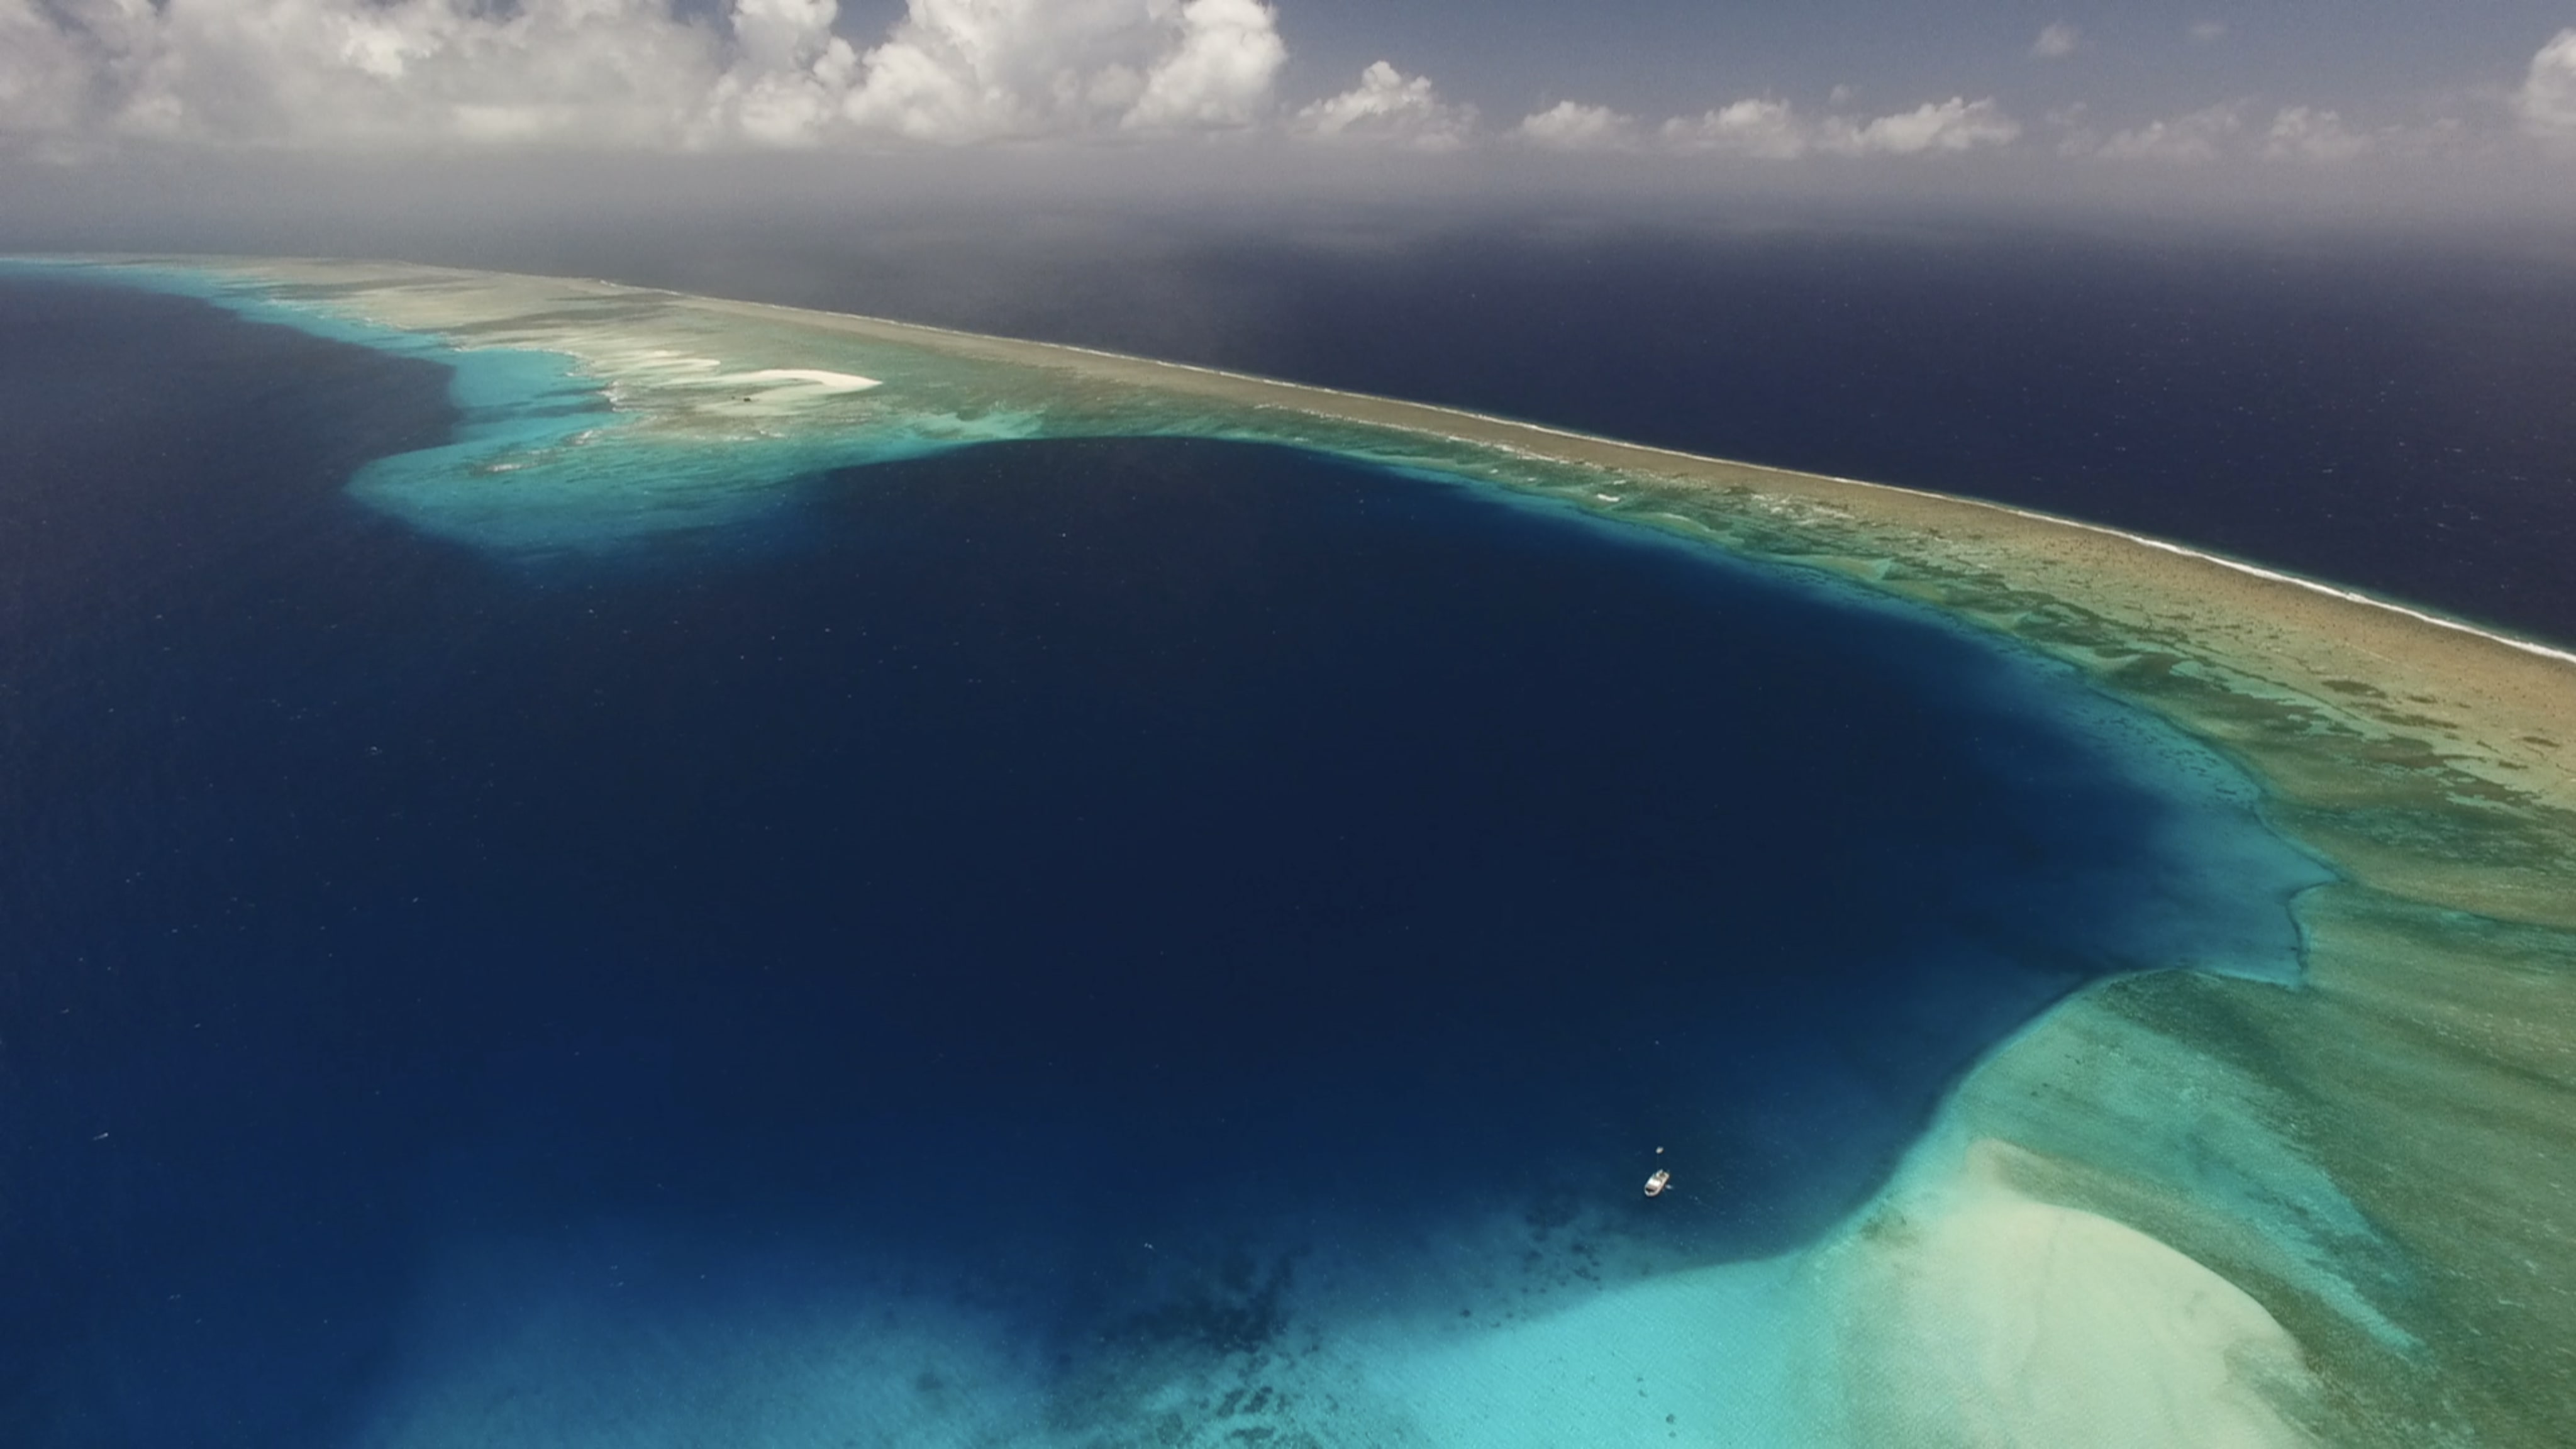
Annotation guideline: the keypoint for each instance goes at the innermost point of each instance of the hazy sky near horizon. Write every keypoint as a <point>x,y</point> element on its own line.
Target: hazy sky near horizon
<point>1780,83</point>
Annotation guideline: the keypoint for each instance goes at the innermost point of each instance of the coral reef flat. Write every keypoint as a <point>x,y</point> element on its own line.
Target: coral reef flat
<point>2200,1202</point>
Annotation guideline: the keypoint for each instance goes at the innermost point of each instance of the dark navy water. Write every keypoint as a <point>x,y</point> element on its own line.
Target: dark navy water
<point>1039,853</point>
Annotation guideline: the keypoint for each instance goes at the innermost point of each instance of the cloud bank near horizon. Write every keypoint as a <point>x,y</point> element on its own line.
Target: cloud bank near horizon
<point>81,78</point>
<point>627,74</point>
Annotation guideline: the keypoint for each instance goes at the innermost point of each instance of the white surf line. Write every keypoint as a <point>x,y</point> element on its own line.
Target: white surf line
<point>2355,596</point>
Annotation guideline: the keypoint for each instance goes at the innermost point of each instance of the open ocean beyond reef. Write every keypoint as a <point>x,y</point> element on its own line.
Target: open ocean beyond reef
<point>1069,904</point>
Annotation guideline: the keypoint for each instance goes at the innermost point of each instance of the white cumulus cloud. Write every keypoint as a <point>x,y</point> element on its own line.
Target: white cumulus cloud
<point>1221,74</point>
<point>2200,136</point>
<point>1772,130</point>
<point>45,72</point>
<point>2233,132</point>
<point>1767,130</point>
<point>2547,101</point>
<point>1570,126</point>
<point>1957,124</point>
<point>1389,107</point>
<point>356,73</point>
<point>2057,41</point>
<point>2303,133</point>
<point>967,70</point>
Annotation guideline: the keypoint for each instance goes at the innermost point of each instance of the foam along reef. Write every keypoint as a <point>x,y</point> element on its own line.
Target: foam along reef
<point>2183,1207</point>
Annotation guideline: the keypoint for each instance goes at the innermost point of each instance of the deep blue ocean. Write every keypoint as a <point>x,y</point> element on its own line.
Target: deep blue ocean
<point>1099,880</point>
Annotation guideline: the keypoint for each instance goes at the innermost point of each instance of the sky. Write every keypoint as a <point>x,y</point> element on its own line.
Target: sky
<point>1792,84</point>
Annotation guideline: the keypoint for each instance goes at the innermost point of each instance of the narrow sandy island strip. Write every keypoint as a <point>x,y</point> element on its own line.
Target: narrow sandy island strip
<point>817,382</point>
